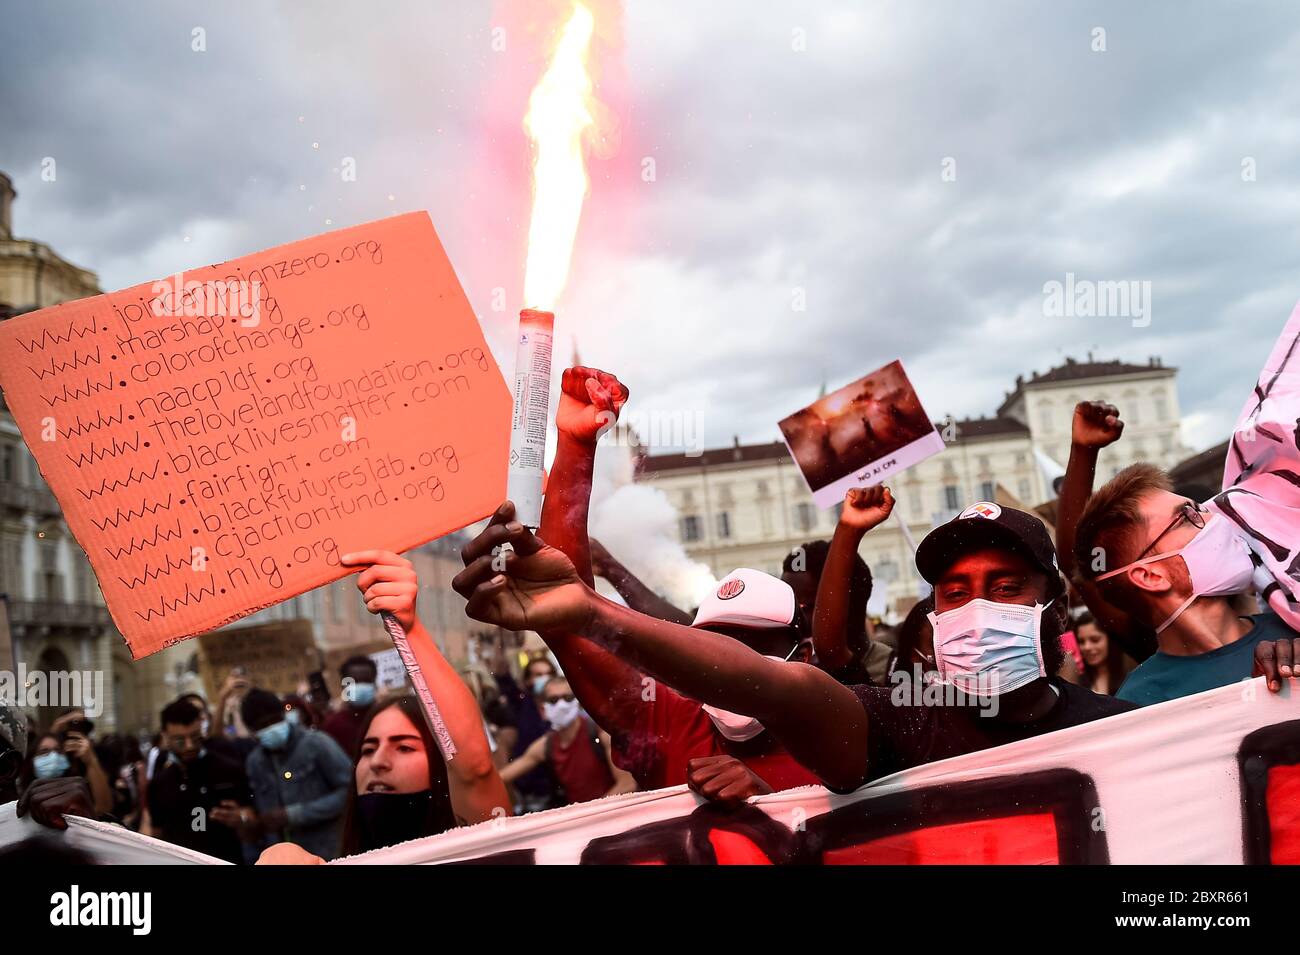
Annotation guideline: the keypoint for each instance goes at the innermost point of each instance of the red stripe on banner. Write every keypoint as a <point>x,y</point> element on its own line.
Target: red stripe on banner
<point>732,848</point>
<point>1008,840</point>
<point>1283,797</point>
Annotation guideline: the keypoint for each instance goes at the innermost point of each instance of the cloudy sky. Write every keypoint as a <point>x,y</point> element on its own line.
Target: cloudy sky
<point>794,147</point>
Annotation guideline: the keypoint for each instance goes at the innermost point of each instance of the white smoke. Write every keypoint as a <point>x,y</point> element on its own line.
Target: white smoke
<point>638,526</point>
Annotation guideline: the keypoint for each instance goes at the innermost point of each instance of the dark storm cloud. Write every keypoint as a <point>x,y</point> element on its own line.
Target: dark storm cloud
<point>780,173</point>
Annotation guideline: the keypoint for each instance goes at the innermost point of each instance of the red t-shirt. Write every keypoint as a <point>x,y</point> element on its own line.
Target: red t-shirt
<point>580,767</point>
<point>672,730</point>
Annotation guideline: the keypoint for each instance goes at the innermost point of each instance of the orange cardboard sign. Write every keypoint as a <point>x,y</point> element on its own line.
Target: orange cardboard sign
<point>218,438</point>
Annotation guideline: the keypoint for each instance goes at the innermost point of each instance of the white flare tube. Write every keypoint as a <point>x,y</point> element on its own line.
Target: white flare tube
<point>532,408</point>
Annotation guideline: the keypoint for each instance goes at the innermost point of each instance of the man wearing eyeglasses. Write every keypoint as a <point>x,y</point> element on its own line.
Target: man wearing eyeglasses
<point>198,797</point>
<point>1176,567</point>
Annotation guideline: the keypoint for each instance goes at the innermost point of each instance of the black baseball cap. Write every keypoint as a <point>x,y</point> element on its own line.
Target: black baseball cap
<point>988,525</point>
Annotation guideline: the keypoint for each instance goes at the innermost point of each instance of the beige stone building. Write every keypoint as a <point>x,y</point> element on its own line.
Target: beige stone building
<point>748,506</point>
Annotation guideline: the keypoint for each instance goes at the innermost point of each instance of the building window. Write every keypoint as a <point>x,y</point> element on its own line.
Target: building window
<point>1129,407</point>
<point>1024,489</point>
<point>986,491</point>
<point>11,566</point>
<point>690,528</point>
<point>983,463</point>
<point>86,583</point>
<point>1162,407</point>
<point>51,579</point>
<point>1021,459</point>
<point>9,463</point>
<point>951,501</point>
<point>804,516</point>
<point>762,489</point>
<point>724,524</point>
<point>1045,419</point>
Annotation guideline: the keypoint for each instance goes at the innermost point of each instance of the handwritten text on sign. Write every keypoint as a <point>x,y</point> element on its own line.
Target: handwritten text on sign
<point>218,438</point>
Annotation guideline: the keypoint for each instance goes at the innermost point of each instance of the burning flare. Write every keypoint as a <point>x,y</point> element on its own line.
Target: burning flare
<point>559,116</point>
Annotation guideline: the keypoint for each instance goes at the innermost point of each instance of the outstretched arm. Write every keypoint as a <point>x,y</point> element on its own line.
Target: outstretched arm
<point>864,508</point>
<point>535,587</point>
<point>630,587</point>
<point>590,400</point>
<point>1096,425</point>
<point>624,782</point>
<point>388,582</point>
<point>528,760</point>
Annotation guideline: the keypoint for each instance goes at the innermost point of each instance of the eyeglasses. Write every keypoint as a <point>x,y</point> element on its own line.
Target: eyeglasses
<point>1190,512</point>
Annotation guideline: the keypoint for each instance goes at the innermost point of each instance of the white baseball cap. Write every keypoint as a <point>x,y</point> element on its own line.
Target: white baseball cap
<point>748,598</point>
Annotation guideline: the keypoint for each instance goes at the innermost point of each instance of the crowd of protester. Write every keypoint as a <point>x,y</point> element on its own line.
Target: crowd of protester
<point>770,683</point>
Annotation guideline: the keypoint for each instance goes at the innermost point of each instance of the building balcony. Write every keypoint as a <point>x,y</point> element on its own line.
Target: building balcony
<point>39,501</point>
<point>56,613</point>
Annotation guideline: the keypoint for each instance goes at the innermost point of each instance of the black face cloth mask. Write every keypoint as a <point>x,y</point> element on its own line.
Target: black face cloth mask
<point>385,819</point>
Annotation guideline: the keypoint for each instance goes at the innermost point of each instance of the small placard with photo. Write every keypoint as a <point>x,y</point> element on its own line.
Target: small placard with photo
<point>861,434</point>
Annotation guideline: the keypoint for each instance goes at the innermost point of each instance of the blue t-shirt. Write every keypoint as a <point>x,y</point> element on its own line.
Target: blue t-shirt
<point>1164,676</point>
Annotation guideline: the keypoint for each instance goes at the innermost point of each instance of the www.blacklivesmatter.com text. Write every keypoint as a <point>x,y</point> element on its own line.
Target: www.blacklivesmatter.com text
<point>77,908</point>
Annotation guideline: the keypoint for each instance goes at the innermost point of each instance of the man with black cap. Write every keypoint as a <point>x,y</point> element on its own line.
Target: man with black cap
<point>300,777</point>
<point>999,613</point>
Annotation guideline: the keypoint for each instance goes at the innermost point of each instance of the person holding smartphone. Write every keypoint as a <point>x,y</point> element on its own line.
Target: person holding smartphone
<point>68,752</point>
<point>199,796</point>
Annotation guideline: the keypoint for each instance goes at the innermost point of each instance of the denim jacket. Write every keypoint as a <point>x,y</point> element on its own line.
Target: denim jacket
<point>310,779</point>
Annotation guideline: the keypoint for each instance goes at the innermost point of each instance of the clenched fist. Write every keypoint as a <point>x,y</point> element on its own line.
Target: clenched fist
<point>387,583</point>
<point>1096,424</point>
<point>590,400</point>
<point>866,507</point>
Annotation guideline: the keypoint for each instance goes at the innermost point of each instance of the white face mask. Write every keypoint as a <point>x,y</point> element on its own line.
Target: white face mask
<point>1218,561</point>
<point>986,648</point>
<point>561,713</point>
<point>735,726</point>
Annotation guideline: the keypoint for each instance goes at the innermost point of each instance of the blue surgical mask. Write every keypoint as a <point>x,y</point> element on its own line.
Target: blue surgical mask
<point>539,684</point>
<point>51,764</point>
<point>987,648</point>
<point>361,694</point>
<point>293,717</point>
<point>274,736</point>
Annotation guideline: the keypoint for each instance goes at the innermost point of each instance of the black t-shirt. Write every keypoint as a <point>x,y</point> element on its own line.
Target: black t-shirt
<point>176,790</point>
<point>904,733</point>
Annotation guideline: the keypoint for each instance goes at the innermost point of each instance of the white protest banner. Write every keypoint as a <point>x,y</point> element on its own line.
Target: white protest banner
<point>1211,778</point>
